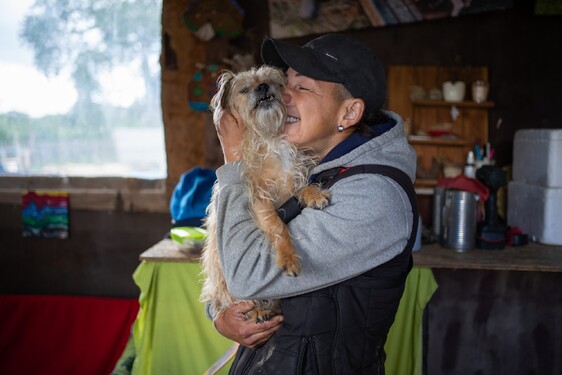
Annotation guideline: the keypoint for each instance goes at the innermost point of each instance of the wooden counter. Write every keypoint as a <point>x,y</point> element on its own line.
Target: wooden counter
<point>531,257</point>
<point>169,251</point>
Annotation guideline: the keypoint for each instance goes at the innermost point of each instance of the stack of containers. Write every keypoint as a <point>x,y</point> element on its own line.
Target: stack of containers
<point>535,193</point>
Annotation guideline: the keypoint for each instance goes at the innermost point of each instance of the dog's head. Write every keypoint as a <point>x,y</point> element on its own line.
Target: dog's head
<point>253,97</point>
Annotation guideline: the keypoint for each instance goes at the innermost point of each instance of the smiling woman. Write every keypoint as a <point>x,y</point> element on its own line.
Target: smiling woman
<point>80,89</point>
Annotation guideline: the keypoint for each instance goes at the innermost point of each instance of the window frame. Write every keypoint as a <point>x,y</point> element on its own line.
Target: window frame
<point>92,193</point>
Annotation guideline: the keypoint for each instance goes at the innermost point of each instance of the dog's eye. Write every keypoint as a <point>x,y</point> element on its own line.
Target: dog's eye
<point>245,90</point>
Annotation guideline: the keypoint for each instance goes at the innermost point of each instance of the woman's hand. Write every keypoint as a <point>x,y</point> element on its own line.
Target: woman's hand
<point>233,325</point>
<point>230,134</point>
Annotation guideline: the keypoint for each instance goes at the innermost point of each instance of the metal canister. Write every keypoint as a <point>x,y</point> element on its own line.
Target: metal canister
<point>438,193</point>
<point>458,222</point>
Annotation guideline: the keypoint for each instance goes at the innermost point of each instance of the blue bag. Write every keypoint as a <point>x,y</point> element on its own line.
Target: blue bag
<point>191,196</point>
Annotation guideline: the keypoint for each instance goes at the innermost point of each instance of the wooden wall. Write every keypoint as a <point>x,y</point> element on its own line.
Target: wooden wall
<point>190,135</point>
<point>184,128</point>
<point>98,259</point>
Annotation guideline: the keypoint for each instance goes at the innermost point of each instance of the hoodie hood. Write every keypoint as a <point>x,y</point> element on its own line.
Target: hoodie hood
<point>390,148</point>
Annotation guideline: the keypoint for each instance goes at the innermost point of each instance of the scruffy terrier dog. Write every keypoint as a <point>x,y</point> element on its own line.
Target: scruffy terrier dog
<point>273,169</point>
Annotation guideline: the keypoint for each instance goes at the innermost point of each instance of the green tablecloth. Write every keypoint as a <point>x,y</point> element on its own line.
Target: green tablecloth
<point>404,344</point>
<point>172,334</point>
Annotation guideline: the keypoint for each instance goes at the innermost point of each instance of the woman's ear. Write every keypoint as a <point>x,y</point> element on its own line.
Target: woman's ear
<point>354,112</point>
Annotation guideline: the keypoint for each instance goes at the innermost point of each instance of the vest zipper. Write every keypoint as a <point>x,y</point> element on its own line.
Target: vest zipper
<point>249,362</point>
<point>308,345</point>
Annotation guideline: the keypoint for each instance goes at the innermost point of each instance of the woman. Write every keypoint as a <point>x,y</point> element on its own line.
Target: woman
<point>355,253</point>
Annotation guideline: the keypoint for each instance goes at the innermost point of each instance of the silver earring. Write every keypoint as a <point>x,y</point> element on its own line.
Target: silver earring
<point>340,128</point>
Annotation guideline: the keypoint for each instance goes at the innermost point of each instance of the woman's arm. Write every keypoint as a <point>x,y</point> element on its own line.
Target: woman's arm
<point>366,224</point>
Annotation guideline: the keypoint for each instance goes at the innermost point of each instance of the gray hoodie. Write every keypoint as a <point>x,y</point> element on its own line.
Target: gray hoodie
<point>367,223</point>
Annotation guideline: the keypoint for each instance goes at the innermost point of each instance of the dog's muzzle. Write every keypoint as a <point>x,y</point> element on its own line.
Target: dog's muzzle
<point>262,92</point>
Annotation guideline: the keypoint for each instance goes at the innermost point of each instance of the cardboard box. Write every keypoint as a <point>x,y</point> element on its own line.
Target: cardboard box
<point>536,210</point>
<point>537,157</point>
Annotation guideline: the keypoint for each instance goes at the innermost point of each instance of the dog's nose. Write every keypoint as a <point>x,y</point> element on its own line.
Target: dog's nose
<point>262,88</point>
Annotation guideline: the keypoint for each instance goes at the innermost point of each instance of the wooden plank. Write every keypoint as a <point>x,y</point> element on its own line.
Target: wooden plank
<point>169,251</point>
<point>442,103</point>
<point>424,119</point>
<point>426,154</point>
<point>452,155</point>
<point>427,77</point>
<point>400,80</point>
<point>444,117</point>
<point>475,126</point>
<point>372,12</point>
<point>435,141</point>
<point>532,257</point>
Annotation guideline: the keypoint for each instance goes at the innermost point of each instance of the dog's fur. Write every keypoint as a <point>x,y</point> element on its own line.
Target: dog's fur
<point>273,169</point>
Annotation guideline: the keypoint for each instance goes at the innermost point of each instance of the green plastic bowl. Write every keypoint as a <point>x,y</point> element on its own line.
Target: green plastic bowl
<point>188,235</point>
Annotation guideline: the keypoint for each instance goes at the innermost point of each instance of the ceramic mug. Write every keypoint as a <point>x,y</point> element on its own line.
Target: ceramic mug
<point>480,91</point>
<point>453,92</point>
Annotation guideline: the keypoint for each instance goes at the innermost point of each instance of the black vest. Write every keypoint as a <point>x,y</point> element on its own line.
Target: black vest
<point>340,329</point>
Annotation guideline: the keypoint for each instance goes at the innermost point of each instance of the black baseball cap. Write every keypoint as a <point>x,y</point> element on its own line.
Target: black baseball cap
<point>333,58</point>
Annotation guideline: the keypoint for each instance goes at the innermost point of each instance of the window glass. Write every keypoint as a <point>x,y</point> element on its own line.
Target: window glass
<point>80,88</point>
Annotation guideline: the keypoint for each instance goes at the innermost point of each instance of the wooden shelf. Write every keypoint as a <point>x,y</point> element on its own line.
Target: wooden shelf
<point>436,141</point>
<point>467,121</point>
<point>442,103</point>
<point>425,182</point>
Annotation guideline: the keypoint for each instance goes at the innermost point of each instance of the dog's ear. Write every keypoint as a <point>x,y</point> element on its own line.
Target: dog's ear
<point>224,86</point>
<point>219,102</point>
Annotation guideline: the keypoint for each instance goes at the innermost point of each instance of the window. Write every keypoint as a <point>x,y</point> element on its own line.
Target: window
<point>80,88</point>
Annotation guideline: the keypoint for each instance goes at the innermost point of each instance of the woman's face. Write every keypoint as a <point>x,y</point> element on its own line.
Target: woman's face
<point>313,113</point>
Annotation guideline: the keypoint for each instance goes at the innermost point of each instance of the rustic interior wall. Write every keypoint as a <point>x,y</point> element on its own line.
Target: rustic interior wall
<point>190,135</point>
<point>98,258</point>
<point>184,127</point>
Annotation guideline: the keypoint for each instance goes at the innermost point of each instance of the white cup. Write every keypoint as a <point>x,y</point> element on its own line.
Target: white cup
<point>479,91</point>
<point>454,92</point>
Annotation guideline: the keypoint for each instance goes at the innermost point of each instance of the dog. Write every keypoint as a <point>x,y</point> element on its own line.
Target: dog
<point>273,170</point>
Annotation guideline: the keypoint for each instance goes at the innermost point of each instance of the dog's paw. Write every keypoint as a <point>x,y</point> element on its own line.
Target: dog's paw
<point>289,263</point>
<point>314,197</point>
<point>292,271</point>
<point>259,315</point>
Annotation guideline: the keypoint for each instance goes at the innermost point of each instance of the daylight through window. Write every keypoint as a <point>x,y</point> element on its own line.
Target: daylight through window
<point>80,88</point>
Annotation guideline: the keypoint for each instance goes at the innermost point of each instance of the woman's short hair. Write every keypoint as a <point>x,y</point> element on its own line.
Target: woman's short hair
<point>369,118</point>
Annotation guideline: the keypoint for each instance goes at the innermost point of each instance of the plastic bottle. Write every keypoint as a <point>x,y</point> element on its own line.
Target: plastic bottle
<point>469,168</point>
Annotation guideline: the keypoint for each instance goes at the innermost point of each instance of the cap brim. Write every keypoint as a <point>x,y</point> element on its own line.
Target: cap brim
<point>285,55</point>
<point>270,54</point>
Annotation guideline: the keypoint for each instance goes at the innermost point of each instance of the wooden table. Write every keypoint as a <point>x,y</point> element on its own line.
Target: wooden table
<point>168,251</point>
<point>531,257</point>
<point>403,345</point>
